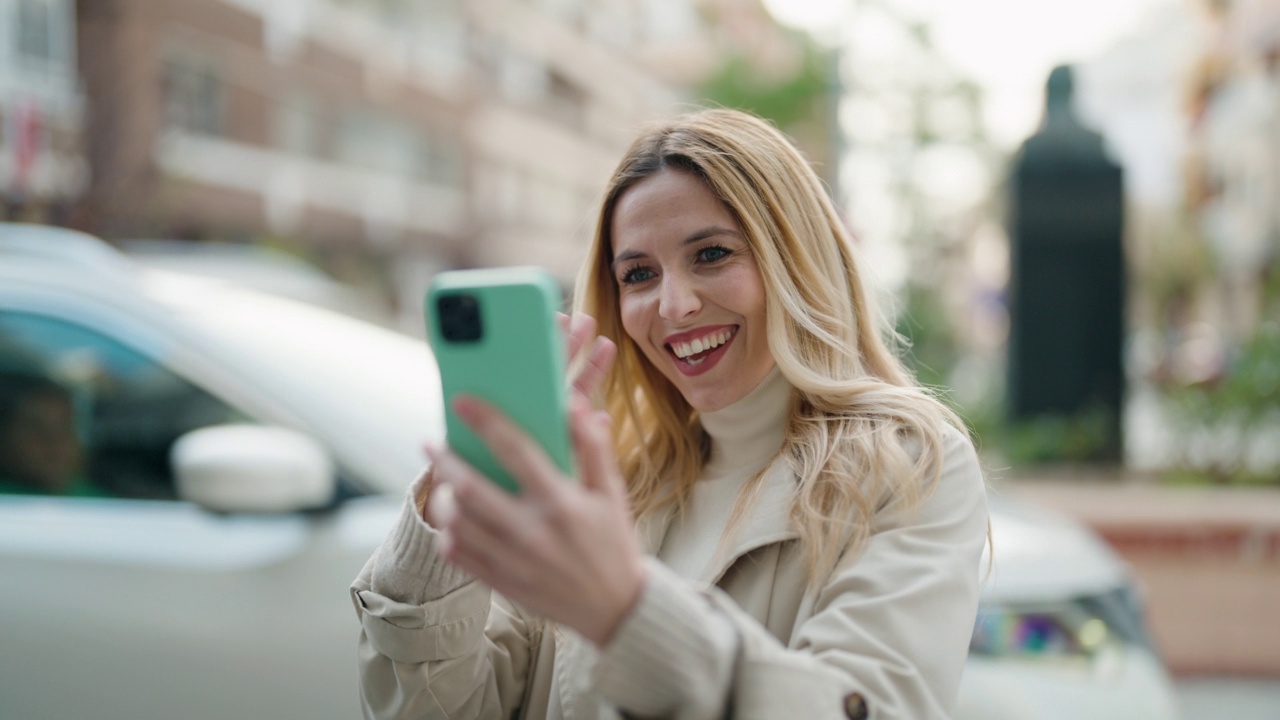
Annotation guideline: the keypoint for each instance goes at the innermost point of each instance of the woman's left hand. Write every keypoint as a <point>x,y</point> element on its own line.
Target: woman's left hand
<point>562,548</point>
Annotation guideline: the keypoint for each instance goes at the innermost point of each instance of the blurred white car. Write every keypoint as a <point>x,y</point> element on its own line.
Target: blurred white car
<point>197,471</point>
<point>1060,633</point>
<point>214,586</point>
<point>258,268</point>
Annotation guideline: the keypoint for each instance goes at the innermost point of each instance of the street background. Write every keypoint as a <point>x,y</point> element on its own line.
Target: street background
<point>360,146</point>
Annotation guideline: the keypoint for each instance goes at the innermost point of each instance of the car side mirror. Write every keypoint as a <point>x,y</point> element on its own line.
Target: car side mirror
<point>252,469</point>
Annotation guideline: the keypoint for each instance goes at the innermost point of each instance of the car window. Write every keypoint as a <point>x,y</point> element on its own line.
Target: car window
<point>84,414</point>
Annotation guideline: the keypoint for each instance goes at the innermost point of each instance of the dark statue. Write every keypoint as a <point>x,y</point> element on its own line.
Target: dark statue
<point>1067,283</point>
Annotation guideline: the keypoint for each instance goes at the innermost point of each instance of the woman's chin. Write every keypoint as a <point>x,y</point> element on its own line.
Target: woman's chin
<point>706,400</point>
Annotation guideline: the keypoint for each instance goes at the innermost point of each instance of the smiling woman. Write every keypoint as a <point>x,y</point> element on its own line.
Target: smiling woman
<point>771,518</point>
<point>690,293</point>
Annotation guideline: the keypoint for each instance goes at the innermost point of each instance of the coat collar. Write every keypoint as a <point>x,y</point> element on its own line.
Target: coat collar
<point>746,438</point>
<point>768,521</point>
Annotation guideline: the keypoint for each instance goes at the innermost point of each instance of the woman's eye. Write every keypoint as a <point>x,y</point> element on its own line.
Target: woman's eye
<point>636,275</point>
<point>713,253</point>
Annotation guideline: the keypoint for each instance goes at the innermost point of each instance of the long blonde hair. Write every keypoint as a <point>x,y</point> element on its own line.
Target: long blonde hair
<point>860,431</point>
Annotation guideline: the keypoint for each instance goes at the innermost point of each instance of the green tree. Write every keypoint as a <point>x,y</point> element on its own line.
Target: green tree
<point>800,102</point>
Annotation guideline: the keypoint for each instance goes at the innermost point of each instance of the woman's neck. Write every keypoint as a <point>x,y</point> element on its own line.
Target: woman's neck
<point>749,433</point>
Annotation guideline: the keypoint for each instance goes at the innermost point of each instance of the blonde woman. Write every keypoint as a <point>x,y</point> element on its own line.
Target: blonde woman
<point>771,520</point>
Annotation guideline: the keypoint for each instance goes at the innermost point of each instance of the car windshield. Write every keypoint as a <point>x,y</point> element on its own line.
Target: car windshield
<point>371,392</point>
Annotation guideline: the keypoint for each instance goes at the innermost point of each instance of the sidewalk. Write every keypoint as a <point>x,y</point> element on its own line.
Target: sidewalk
<point>1207,559</point>
<point>1235,698</point>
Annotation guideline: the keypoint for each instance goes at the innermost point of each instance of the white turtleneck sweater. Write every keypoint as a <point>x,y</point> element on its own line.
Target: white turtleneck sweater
<point>745,438</point>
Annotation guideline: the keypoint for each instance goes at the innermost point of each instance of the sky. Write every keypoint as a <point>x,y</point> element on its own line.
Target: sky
<point>1007,46</point>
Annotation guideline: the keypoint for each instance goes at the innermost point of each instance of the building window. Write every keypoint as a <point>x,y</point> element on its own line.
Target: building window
<point>194,97</point>
<point>381,142</point>
<point>297,125</point>
<point>35,27</point>
<point>444,161</point>
<point>442,52</point>
<point>41,35</point>
<point>566,102</point>
<point>369,140</point>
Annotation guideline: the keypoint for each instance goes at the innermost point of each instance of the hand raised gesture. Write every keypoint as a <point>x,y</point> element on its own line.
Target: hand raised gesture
<point>562,548</point>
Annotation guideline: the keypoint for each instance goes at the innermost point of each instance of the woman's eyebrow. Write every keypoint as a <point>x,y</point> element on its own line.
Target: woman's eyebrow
<point>628,255</point>
<point>703,234</point>
<point>711,231</point>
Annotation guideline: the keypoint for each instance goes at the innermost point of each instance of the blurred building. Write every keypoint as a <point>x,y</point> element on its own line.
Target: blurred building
<point>566,85</point>
<point>1233,163</point>
<point>384,138</point>
<point>42,167</point>
<point>1190,102</point>
<point>313,123</point>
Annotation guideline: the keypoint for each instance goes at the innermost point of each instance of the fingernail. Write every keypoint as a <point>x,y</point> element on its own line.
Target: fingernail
<point>465,407</point>
<point>442,507</point>
<point>441,462</point>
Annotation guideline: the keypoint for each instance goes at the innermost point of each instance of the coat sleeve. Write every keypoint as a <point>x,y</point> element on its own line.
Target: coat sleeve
<point>436,644</point>
<point>890,630</point>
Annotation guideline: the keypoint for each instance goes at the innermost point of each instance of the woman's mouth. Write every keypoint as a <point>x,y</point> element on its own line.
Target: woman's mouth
<point>697,355</point>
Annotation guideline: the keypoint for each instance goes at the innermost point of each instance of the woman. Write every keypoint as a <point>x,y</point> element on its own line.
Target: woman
<point>808,523</point>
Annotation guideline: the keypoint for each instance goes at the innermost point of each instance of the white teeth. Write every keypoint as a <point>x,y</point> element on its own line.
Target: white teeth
<point>702,344</point>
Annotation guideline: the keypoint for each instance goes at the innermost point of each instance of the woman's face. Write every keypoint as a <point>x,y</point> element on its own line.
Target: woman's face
<point>689,291</point>
<point>38,443</point>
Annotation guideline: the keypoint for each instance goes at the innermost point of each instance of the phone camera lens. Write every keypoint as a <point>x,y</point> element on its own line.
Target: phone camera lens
<point>460,318</point>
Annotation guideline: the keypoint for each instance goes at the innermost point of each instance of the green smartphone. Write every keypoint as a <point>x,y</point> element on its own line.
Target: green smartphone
<point>495,337</point>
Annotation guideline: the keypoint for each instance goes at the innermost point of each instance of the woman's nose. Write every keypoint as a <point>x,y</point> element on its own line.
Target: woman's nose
<point>679,299</point>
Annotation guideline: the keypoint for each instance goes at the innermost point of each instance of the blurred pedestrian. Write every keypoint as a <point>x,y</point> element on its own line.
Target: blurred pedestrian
<point>40,450</point>
<point>771,518</point>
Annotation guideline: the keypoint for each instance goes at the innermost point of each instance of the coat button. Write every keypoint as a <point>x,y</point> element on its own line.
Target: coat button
<point>855,706</point>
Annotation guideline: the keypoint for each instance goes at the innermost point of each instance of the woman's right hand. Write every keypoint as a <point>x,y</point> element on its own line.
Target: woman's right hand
<point>576,537</point>
<point>585,375</point>
<point>565,550</point>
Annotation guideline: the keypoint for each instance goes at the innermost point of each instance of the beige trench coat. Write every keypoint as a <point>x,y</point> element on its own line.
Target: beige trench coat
<point>884,637</point>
